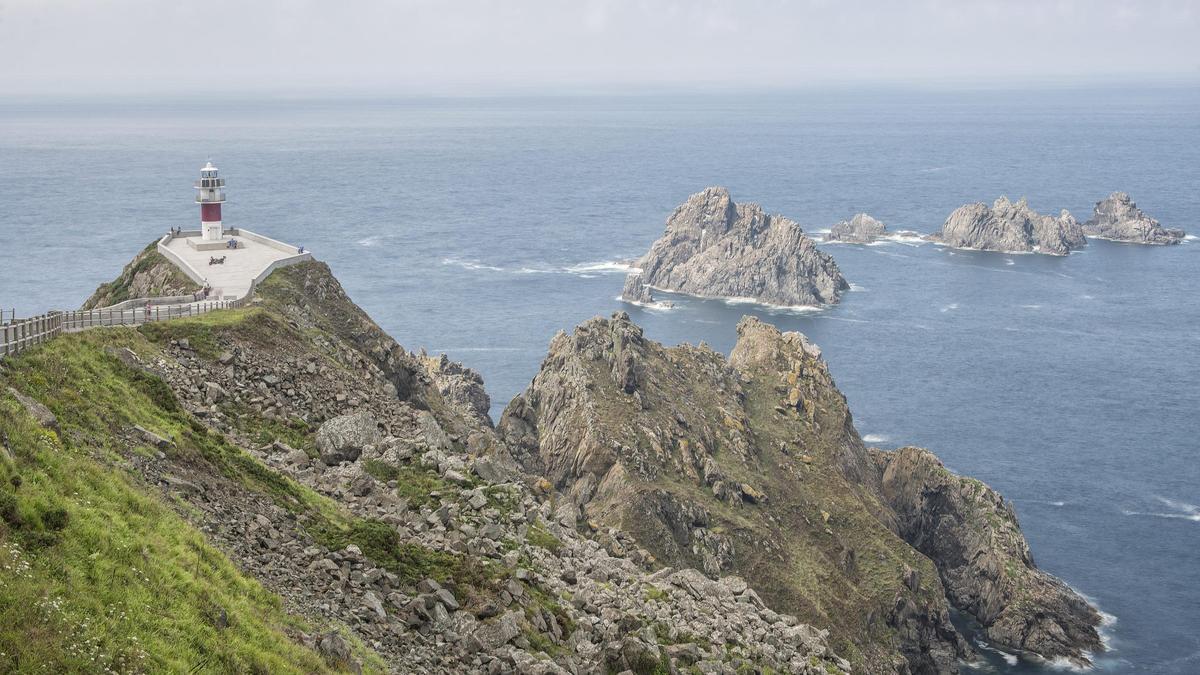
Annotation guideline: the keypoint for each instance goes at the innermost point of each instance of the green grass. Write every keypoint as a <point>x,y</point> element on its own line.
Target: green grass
<point>95,571</point>
<point>539,536</point>
<point>253,324</point>
<point>95,575</point>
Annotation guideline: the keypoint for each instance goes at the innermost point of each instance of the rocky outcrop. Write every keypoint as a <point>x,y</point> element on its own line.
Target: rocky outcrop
<point>713,247</point>
<point>972,534</point>
<point>861,229</point>
<point>1118,218</point>
<point>460,386</point>
<point>635,289</point>
<point>751,466</point>
<point>1010,227</point>
<point>149,274</point>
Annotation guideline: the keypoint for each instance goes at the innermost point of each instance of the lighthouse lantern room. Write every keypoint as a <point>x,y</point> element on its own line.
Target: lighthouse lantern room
<point>210,195</point>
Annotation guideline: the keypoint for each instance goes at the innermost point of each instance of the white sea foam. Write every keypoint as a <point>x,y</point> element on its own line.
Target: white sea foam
<point>1009,261</point>
<point>1010,659</point>
<point>1031,306</point>
<point>603,267</point>
<point>855,288</point>
<point>471,264</point>
<point>587,270</point>
<point>949,307</point>
<point>1182,510</point>
<point>1190,237</point>
<point>874,438</point>
<point>656,306</point>
<point>368,242</point>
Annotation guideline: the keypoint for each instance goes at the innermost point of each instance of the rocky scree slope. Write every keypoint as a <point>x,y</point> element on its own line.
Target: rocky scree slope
<point>713,247</point>
<point>1118,218</point>
<point>337,474</point>
<point>751,465</point>
<point>1010,227</point>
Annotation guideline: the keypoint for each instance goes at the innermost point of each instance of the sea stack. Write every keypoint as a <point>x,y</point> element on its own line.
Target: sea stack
<point>713,247</point>
<point>861,229</point>
<point>1118,218</point>
<point>1010,227</point>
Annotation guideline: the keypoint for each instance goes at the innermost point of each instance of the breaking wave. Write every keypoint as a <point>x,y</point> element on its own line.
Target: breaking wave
<point>874,438</point>
<point>1181,510</point>
<point>586,270</point>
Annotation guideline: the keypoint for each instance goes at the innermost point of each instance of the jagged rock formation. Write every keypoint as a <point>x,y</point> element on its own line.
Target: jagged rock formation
<point>751,465</point>
<point>713,247</point>
<point>1010,227</point>
<point>1118,218</point>
<point>459,386</point>
<point>635,289</point>
<point>149,274</point>
<point>972,534</point>
<point>861,229</point>
<point>385,511</point>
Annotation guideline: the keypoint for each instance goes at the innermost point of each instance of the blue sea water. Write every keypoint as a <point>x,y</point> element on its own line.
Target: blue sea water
<point>479,227</point>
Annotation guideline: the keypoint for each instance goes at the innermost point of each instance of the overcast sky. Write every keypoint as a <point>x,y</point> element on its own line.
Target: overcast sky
<point>447,46</point>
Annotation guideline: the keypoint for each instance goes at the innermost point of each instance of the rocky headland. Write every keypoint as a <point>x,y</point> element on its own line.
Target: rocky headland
<point>715,248</point>
<point>751,465</point>
<point>284,488</point>
<point>1118,218</point>
<point>1011,227</point>
<point>861,229</point>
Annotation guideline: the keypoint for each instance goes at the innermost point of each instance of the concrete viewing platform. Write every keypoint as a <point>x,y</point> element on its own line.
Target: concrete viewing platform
<point>245,266</point>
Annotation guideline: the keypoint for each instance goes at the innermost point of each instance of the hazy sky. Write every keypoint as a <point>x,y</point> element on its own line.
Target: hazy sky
<point>154,46</point>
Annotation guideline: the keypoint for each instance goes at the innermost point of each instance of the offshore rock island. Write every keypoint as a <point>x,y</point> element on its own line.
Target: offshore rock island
<point>861,229</point>
<point>1011,228</point>
<point>715,248</point>
<point>1118,218</point>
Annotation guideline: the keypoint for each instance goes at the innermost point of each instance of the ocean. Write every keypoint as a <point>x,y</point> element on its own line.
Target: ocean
<point>481,226</point>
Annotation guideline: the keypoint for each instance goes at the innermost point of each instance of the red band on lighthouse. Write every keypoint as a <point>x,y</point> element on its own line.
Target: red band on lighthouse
<point>210,213</point>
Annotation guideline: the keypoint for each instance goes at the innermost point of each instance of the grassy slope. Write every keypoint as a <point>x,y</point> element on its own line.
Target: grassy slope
<point>98,572</point>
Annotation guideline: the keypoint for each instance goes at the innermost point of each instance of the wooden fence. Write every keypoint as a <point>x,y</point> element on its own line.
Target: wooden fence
<point>19,334</point>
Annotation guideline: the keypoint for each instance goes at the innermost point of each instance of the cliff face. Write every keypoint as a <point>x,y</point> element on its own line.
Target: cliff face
<point>972,534</point>
<point>752,465</point>
<point>1010,227</point>
<point>1118,218</point>
<point>713,247</point>
<point>861,229</point>
<point>147,275</point>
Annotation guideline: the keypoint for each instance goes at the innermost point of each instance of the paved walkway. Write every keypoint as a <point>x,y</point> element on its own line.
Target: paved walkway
<point>233,278</point>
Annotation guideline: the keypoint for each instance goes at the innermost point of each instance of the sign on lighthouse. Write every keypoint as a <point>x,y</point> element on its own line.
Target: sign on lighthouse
<point>210,196</point>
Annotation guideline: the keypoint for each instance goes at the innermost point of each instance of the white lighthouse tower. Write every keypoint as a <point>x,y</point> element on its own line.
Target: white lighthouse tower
<point>210,196</point>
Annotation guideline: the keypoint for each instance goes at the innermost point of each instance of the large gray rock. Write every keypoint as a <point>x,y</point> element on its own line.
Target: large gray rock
<point>343,438</point>
<point>1010,227</point>
<point>38,411</point>
<point>713,247</point>
<point>861,229</point>
<point>1118,218</point>
<point>635,289</point>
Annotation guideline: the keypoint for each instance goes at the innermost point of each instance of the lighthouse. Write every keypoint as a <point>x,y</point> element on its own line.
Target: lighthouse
<point>210,195</point>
